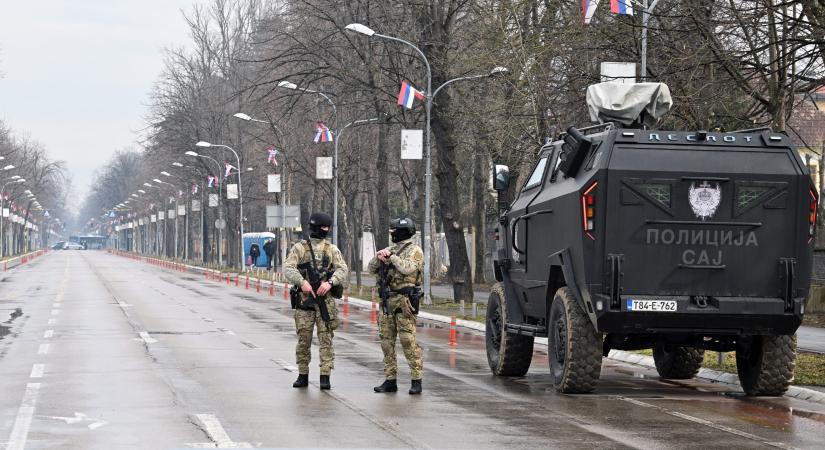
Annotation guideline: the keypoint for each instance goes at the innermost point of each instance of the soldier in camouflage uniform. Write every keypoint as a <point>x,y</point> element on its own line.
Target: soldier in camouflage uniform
<point>406,262</point>
<point>307,314</point>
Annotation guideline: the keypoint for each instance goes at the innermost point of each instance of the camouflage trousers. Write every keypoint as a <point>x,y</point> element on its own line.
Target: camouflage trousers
<point>305,322</point>
<point>403,327</point>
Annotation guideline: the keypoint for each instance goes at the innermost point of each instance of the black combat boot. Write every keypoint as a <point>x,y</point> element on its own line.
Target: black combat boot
<point>387,386</point>
<point>325,382</point>
<point>415,388</point>
<point>302,381</point>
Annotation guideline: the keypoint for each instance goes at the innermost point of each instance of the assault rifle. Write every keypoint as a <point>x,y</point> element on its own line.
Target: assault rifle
<point>384,287</point>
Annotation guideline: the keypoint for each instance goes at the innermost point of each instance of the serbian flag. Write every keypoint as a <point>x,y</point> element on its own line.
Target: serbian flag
<point>621,7</point>
<point>228,168</point>
<point>210,180</point>
<point>589,8</point>
<point>322,133</point>
<point>272,154</point>
<point>194,188</point>
<point>408,94</point>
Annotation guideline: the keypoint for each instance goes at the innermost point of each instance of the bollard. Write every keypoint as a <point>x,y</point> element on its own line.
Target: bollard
<point>206,274</point>
<point>286,294</point>
<point>258,286</point>
<point>271,289</point>
<point>373,316</point>
<point>238,280</point>
<point>228,277</point>
<point>453,342</point>
<point>247,282</point>
<point>346,307</point>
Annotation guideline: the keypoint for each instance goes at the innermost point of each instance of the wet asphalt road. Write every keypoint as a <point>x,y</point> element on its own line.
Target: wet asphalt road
<point>103,352</point>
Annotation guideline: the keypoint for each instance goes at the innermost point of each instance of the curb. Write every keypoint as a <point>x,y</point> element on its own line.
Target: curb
<point>616,355</point>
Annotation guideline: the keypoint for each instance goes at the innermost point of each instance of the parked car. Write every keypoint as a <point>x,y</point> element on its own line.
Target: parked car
<point>73,246</point>
<point>58,245</point>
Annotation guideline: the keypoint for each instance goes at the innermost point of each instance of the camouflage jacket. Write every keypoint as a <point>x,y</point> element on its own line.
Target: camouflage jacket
<point>407,265</point>
<point>324,250</point>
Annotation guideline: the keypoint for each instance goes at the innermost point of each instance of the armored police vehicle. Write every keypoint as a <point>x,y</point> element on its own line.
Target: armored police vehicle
<point>679,241</point>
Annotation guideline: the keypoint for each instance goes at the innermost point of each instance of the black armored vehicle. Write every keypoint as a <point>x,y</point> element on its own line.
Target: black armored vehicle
<point>634,239</point>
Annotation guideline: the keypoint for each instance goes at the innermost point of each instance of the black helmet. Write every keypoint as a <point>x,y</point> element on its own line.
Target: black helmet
<point>402,229</point>
<point>316,221</point>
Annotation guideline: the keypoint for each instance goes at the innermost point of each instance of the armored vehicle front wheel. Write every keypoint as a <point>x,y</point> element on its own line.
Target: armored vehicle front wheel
<point>677,362</point>
<point>574,347</point>
<point>765,364</point>
<point>508,354</point>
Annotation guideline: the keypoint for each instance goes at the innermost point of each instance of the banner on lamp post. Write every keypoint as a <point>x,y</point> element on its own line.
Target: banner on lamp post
<point>412,144</point>
<point>231,191</point>
<point>213,200</point>
<point>196,205</point>
<point>154,218</point>
<point>181,210</point>
<point>273,182</point>
<point>323,167</point>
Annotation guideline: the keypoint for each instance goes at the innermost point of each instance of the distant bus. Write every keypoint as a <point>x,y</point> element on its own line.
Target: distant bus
<point>91,242</point>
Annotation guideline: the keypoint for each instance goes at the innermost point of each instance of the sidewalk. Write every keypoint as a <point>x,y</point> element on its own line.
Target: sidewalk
<point>438,289</point>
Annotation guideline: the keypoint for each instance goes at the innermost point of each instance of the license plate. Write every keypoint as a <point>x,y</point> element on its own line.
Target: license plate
<point>651,305</point>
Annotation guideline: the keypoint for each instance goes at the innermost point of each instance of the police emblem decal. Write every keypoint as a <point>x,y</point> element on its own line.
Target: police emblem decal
<point>704,199</point>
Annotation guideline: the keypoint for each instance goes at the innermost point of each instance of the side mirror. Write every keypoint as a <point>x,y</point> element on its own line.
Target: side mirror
<point>501,177</point>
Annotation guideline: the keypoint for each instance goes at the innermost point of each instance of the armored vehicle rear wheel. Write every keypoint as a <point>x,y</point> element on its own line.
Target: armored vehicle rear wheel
<point>765,364</point>
<point>574,347</point>
<point>677,362</point>
<point>508,354</point>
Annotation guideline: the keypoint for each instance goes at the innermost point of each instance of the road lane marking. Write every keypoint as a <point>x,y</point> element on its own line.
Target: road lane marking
<point>207,319</point>
<point>144,335</point>
<point>251,345</point>
<point>123,304</point>
<point>37,371</point>
<point>43,350</point>
<point>708,423</point>
<point>285,365</point>
<point>56,305</point>
<point>52,321</point>
<point>225,331</point>
<point>80,418</point>
<point>55,312</point>
<point>48,334</point>
<point>23,421</point>
<point>213,428</point>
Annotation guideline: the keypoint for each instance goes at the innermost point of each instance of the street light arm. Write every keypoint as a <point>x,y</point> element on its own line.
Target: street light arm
<point>448,82</point>
<point>420,53</point>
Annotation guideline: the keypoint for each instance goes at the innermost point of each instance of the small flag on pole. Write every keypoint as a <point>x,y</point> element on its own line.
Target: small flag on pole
<point>322,133</point>
<point>408,94</point>
<point>272,154</point>
<point>194,188</point>
<point>228,168</point>
<point>210,181</point>
<point>588,9</point>
<point>621,7</point>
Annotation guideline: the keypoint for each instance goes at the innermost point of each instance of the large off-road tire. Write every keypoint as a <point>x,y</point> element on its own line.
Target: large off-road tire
<point>766,364</point>
<point>574,347</point>
<point>508,354</point>
<point>677,362</point>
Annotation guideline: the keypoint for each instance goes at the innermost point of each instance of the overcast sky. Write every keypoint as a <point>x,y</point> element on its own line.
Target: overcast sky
<point>75,75</point>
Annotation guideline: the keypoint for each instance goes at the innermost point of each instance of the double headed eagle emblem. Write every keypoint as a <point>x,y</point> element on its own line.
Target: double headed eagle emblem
<point>704,199</point>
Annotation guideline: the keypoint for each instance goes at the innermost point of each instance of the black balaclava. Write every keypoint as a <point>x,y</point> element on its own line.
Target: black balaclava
<point>316,221</point>
<point>401,229</point>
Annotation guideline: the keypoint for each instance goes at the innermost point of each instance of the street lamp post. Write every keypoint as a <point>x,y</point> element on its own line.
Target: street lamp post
<point>14,179</point>
<point>221,180</point>
<point>288,85</point>
<point>646,11</point>
<point>428,96</point>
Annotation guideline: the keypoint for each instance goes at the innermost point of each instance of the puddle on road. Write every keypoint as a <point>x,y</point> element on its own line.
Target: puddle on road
<point>6,329</point>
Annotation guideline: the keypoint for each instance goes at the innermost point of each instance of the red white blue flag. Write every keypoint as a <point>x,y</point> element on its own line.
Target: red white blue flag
<point>272,154</point>
<point>194,188</point>
<point>621,7</point>
<point>228,168</point>
<point>588,9</point>
<point>408,94</point>
<point>322,133</point>
<point>211,181</point>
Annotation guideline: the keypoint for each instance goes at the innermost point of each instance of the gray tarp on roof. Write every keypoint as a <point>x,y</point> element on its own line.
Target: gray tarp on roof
<point>623,103</point>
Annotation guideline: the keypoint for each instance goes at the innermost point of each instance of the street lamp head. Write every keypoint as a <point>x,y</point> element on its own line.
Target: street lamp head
<point>191,153</point>
<point>9,167</point>
<point>498,71</point>
<point>165,173</point>
<point>141,191</point>
<point>16,177</point>
<point>250,169</point>
<point>22,180</point>
<point>287,84</point>
<point>203,144</point>
<point>242,116</point>
<point>147,185</point>
<point>157,180</point>
<point>358,28</point>
<point>27,191</point>
<point>177,164</point>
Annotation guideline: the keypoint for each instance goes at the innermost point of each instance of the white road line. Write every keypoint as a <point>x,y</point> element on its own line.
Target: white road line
<point>56,305</point>
<point>285,365</point>
<point>146,338</point>
<point>207,319</point>
<point>215,431</point>
<point>52,321</point>
<point>48,334</point>
<point>20,432</point>
<point>55,312</point>
<point>225,331</point>
<point>37,371</point>
<point>123,304</point>
<point>44,349</point>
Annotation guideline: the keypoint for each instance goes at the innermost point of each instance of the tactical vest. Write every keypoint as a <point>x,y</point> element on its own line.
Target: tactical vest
<point>397,279</point>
